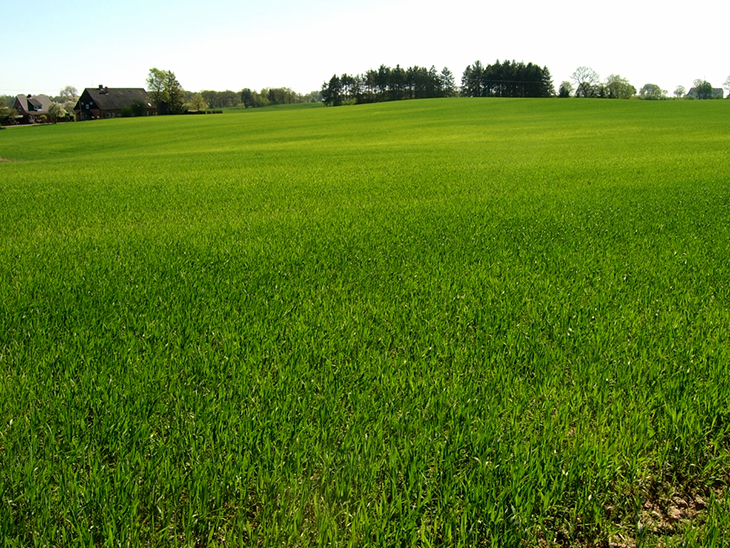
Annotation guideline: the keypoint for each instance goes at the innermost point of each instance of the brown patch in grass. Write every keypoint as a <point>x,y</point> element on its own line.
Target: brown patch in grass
<point>663,519</point>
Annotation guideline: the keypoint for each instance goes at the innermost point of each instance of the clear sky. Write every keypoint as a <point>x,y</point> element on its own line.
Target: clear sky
<point>232,44</point>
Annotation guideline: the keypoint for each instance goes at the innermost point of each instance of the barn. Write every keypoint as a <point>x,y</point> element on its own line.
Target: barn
<point>103,102</point>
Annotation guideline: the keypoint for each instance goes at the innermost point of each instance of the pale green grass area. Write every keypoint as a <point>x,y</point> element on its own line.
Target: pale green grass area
<point>442,322</point>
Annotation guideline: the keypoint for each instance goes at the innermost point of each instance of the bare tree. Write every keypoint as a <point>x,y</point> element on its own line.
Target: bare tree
<point>566,88</point>
<point>69,93</point>
<point>586,81</point>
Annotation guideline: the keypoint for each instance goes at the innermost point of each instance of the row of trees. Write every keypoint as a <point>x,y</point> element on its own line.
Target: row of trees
<point>507,79</point>
<point>500,79</point>
<point>389,84</point>
<point>588,84</point>
<point>276,96</point>
<point>165,91</point>
<point>585,82</point>
<point>170,98</point>
<point>248,98</point>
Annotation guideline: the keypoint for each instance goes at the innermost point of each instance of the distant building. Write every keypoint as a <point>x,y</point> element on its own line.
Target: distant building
<point>103,102</point>
<point>717,93</point>
<point>30,108</point>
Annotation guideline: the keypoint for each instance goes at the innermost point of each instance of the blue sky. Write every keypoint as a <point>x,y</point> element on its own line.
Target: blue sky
<point>227,44</point>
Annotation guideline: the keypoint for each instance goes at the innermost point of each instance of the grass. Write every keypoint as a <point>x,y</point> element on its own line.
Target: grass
<point>442,322</point>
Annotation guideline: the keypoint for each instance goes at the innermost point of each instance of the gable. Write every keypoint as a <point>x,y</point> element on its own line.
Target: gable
<point>21,104</point>
<point>86,102</point>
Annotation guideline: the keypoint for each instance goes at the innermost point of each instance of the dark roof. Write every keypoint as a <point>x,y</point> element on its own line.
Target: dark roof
<point>41,103</point>
<point>116,98</point>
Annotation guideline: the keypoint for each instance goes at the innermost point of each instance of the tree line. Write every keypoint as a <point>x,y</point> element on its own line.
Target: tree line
<point>585,82</point>
<point>389,84</point>
<point>500,79</point>
<point>170,98</point>
<point>276,96</point>
<point>506,79</point>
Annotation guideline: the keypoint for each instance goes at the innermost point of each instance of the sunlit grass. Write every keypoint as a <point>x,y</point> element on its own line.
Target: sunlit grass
<point>445,322</point>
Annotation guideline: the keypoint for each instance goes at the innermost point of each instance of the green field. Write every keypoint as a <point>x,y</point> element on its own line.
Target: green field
<point>472,322</point>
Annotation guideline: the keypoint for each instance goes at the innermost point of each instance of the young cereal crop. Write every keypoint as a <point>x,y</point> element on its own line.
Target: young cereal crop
<point>431,323</point>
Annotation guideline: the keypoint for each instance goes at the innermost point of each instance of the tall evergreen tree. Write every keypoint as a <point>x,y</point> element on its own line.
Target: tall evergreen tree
<point>472,80</point>
<point>447,83</point>
<point>370,85</point>
<point>332,92</point>
<point>547,88</point>
<point>384,81</point>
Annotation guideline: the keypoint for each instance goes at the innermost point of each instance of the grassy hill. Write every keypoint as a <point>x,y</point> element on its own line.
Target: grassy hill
<point>442,322</point>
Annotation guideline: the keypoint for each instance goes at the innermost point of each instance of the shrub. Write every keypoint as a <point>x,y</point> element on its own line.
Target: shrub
<point>137,108</point>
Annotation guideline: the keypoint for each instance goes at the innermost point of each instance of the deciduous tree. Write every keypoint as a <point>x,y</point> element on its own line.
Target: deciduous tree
<point>652,91</point>
<point>69,93</point>
<point>586,82</point>
<point>197,102</point>
<point>7,114</point>
<point>175,93</point>
<point>156,86</point>
<point>56,112</point>
<point>618,87</point>
<point>566,88</point>
<point>165,91</point>
<point>703,88</point>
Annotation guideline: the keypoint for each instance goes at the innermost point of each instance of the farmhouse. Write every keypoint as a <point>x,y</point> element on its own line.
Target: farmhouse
<point>717,93</point>
<point>30,108</point>
<point>103,102</point>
